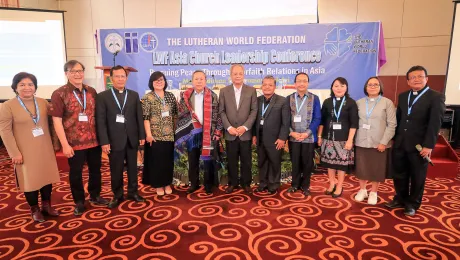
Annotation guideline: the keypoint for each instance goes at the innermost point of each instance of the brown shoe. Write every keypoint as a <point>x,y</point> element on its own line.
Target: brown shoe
<point>47,210</point>
<point>37,216</point>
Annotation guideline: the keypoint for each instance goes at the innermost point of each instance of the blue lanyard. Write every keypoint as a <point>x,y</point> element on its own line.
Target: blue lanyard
<point>118,103</point>
<point>264,109</point>
<point>409,108</point>
<point>79,101</point>
<point>337,114</point>
<point>368,113</point>
<point>297,105</point>
<point>35,119</point>
<point>162,100</point>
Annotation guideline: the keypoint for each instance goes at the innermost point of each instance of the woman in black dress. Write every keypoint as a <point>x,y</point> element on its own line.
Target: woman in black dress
<point>339,121</point>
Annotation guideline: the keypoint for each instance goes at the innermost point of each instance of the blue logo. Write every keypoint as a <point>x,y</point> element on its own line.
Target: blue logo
<point>338,42</point>
<point>149,42</point>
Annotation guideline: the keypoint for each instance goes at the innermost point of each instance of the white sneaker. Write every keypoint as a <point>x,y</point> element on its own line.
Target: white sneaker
<point>362,194</point>
<point>372,200</point>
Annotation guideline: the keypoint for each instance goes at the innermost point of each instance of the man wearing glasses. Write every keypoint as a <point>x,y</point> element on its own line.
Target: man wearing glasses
<point>419,117</point>
<point>73,108</point>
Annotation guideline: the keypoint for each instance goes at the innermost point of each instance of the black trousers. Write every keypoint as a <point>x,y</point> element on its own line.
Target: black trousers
<point>93,157</point>
<point>117,164</point>
<point>302,155</point>
<point>32,196</point>
<point>409,174</point>
<point>194,169</point>
<point>239,151</point>
<point>269,163</point>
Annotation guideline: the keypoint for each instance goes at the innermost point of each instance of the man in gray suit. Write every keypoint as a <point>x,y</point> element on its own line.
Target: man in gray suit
<point>271,131</point>
<point>238,110</point>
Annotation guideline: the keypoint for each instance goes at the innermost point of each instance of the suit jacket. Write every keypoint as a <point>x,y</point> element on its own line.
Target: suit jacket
<point>246,113</point>
<point>216,121</point>
<point>118,134</point>
<point>423,124</point>
<point>276,121</point>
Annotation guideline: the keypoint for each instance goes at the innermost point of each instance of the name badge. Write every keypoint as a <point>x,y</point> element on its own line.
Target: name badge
<point>82,117</point>
<point>262,122</point>
<point>297,118</point>
<point>37,131</point>
<point>337,126</point>
<point>120,118</point>
<point>164,113</point>
<point>366,126</point>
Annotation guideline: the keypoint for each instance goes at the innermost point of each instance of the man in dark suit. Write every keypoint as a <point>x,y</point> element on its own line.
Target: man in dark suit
<point>419,116</point>
<point>238,110</point>
<point>120,129</point>
<point>270,133</point>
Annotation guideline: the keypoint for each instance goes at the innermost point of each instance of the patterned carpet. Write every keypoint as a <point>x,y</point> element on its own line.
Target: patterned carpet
<point>236,226</point>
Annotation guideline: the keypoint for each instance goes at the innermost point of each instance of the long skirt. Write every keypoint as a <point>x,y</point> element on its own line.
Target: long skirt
<point>158,164</point>
<point>334,156</point>
<point>372,165</point>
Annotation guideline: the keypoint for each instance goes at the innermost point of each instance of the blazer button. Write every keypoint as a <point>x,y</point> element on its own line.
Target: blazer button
<point>405,129</point>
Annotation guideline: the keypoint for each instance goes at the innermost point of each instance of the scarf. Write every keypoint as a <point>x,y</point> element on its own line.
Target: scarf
<point>189,130</point>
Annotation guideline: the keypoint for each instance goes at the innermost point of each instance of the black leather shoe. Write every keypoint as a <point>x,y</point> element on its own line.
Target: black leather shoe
<point>409,211</point>
<point>337,195</point>
<point>272,191</point>
<point>394,204</point>
<point>136,197</point>
<point>292,189</point>
<point>247,189</point>
<point>115,202</point>
<point>79,209</point>
<point>99,201</point>
<point>330,192</point>
<point>192,189</point>
<point>306,192</point>
<point>229,189</point>
<point>208,190</point>
<point>261,189</point>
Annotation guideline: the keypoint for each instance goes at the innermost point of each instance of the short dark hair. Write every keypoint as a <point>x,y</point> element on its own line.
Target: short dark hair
<point>118,67</point>
<point>20,76</point>
<point>198,71</point>
<point>154,76</point>
<point>301,73</point>
<point>380,84</point>
<point>269,77</point>
<point>342,81</point>
<point>71,63</point>
<point>416,68</point>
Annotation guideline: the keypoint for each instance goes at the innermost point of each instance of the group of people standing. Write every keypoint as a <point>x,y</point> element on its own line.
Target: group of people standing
<point>117,122</point>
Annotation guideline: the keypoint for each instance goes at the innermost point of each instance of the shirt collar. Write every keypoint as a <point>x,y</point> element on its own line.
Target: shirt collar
<point>75,88</point>
<point>236,89</point>
<point>420,91</point>
<point>297,94</point>
<point>196,93</point>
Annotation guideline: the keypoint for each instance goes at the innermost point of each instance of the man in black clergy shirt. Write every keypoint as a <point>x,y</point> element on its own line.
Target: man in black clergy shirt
<point>120,130</point>
<point>419,115</point>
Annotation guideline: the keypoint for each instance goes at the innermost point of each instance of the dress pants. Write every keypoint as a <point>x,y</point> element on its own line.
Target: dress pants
<point>269,162</point>
<point>409,174</point>
<point>239,151</point>
<point>302,155</point>
<point>32,196</point>
<point>117,163</point>
<point>194,169</point>
<point>93,157</point>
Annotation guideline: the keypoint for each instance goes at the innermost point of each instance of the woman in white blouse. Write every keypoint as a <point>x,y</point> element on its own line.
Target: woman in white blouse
<point>377,123</point>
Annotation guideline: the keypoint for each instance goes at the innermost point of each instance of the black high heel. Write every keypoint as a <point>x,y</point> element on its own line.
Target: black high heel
<point>337,195</point>
<point>331,192</point>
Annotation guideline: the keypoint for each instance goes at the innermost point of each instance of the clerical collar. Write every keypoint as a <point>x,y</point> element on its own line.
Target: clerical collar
<point>338,98</point>
<point>420,91</point>
<point>120,91</point>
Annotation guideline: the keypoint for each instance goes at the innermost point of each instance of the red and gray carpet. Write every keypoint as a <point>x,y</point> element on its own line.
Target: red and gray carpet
<point>235,226</point>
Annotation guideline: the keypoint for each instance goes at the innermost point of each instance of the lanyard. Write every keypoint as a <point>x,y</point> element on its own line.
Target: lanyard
<point>409,108</point>
<point>297,105</point>
<point>337,114</point>
<point>368,113</point>
<point>34,118</point>
<point>162,100</point>
<point>79,101</point>
<point>264,109</point>
<point>118,103</point>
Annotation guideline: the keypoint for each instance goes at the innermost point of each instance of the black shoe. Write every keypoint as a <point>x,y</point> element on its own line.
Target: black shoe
<point>247,189</point>
<point>79,209</point>
<point>261,189</point>
<point>292,189</point>
<point>272,191</point>
<point>192,189</point>
<point>115,202</point>
<point>394,204</point>
<point>306,192</point>
<point>331,192</point>
<point>337,195</point>
<point>136,197</point>
<point>229,189</point>
<point>409,211</point>
<point>99,201</point>
<point>208,190</point>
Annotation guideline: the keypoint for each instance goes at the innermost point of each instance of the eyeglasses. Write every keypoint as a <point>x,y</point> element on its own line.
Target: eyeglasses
<point>73,72</point>
<point>373,85</point>
<point>159,80</point>
<point>120,76</point>
<point>417,77</point>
